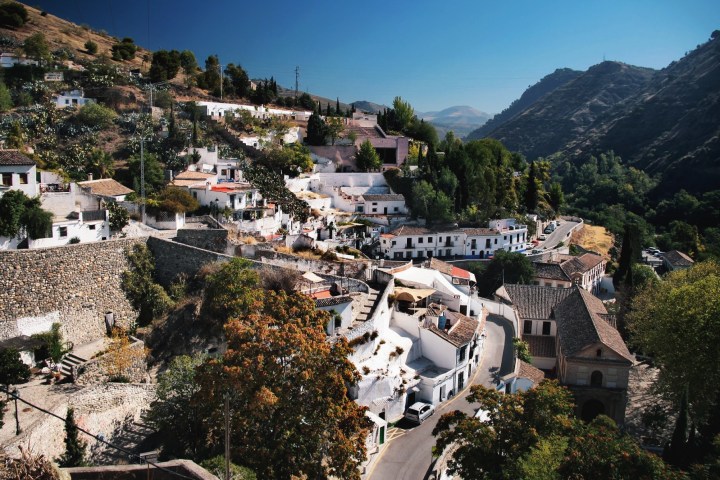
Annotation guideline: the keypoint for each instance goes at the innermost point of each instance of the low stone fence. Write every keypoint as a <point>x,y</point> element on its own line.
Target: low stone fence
<point>95,370</point>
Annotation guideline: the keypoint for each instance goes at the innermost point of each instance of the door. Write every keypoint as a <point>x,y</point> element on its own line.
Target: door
<point>382,435</point>
<point>461,380</point>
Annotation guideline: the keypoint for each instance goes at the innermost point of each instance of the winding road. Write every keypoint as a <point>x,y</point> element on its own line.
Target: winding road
<point>408,455</point>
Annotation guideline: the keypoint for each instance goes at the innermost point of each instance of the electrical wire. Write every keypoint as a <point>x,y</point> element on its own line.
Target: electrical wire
<point>102,440</point>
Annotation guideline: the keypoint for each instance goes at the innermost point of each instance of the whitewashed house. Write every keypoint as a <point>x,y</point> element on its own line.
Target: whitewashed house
<point>9,59</point>
<point>73,98</point>
<point>17,172</point>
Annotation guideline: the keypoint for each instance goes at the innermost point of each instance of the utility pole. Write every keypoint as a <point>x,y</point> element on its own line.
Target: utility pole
<point>18,431</point>
<point>297,78</point>
<point>142,177</point>
<point>227,436</point>
<point>221,80</point>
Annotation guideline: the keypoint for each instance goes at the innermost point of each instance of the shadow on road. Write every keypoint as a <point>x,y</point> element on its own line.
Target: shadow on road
<point>507,357</point>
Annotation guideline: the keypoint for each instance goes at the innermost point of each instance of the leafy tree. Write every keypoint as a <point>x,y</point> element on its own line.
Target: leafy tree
<point>229,291</point>
<point>367,158</point>
<point>290,159</point>
<point>305,101</point>
<point>101,164</point>
<point>334,128</point>
<point>403,113</point>
<point>54,346</point>
<point>432,205</point>
<point>13,15</point>
<point>239,80</point>
<point>120,359</point>
<point>188,62</point>
<point>5,98</point>
<point>422,131</point>
<point>556,198</point>
<point>35,46</point>
<point>173,413</point>
<point>95,115</point>
<point>522,350</point>
<point>91,47</point>
<point>165,65</point>
<point>16,136</point>
<point>216,466</point>
<point>12,369</point>
<point>603,451</point>
<point>210,78</point>
<point>20,214</point>
<point>176,200</point>
<point>677,322</point>
<point>74,455</point>
<point>316,130</point>
<point>124,50</point>
<point>119,216</point>
<point>515,423</point>
<point>154,176</point>
<point>510,267</point>
<point>146,296</point>
<point>290,413</point>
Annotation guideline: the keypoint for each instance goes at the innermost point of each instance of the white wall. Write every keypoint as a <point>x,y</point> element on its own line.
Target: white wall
<point>30,188</point>
<point>74,228</point>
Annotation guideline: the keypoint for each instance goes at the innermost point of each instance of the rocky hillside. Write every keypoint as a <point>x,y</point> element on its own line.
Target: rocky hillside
<point>671,127</point>
<point>558,118</point>
<point>548,84</point>
<point>665,122</point>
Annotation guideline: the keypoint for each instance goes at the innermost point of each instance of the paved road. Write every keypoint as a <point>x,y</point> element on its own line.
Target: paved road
<point>561,234</point>
<point>409,455</point>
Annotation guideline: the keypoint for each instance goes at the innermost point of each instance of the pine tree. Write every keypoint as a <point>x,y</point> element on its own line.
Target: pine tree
<point>74,447</point>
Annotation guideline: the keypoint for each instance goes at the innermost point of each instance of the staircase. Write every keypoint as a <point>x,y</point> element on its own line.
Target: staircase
<point>68,362</point>
<point>367,307</point>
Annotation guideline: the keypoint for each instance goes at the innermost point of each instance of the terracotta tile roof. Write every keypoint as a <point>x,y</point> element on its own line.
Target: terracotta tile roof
<point>411,230</point>
<point>188,178</point>
<point>462,331</point>
<point>14,157</point>
<point>591,260</point>
<point>436,310</point>
<point>531,372</point>
<point>550,271</point>
<point>535,302</point>
<point>470,232</point>
<point>448,269</point>
<point>572,266</point>
<point>678,259</point>
<point>581,323</point>
<point>105,187</point>
<point>540,345</point>
<point>332,301</point>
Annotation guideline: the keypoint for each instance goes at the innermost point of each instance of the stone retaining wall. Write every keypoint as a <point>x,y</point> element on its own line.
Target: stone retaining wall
<point>215,240</point>
<point>172,258</point>
<point>73,285</point>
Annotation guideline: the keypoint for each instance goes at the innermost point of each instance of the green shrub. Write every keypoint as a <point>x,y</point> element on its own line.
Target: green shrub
<point>95,115</point>
<point>13,15</point>
<point>125,50</point>
<point>91,47</point>
<point>216,466</point>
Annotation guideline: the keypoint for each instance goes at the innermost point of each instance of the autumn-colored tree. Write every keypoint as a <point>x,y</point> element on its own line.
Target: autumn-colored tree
<point>122,357</point>
<point>287,388</point>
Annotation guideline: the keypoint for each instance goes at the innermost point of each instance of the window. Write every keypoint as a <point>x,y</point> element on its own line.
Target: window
<point>527,327</point>
<point>23,179</point>
<point>63,231</point>
<point>67,101</point>
<point>7,179</point>
<point>546,328</point>
<point>429,239</point>
<point>420,240</point>
<point>223,172</point>
<point>92,226</point>
<point>374,210</point>
<point>194,194</point>
<point>396,209</point>
<point>463,350</point>
<point>599,352</point>
<point>496,241</point>
<point>596,378</point>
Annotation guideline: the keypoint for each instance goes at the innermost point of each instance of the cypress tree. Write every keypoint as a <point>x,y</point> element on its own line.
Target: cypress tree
<point>328,112</point>
<point>74,447</point>
<point>678,444</point>
<point>337,106</point>
<point>531,192</point>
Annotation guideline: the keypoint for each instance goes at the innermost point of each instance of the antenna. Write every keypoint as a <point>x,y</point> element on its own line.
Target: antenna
<point>297,77</point>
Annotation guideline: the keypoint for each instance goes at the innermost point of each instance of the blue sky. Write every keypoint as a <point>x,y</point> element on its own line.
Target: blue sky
<point>435,54</point>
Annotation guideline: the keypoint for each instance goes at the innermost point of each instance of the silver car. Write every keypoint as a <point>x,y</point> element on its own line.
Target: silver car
<point>419,411</point>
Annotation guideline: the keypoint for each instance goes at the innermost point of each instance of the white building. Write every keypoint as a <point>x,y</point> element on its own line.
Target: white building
<point>421,242</point>
<point>219,110</point>
<point>73,98</point>
<point>17,172</point>
<point>8,60</point>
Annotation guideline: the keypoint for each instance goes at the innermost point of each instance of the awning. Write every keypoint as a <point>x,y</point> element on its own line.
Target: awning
<point>311,277</point>
<point>413,295</point>
<point>375,419</point>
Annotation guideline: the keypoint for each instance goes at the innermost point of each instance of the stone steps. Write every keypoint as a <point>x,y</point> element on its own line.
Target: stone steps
<point>69,361</point>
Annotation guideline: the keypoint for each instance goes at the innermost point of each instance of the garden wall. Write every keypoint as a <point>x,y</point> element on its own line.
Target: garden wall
<point>73,285</point>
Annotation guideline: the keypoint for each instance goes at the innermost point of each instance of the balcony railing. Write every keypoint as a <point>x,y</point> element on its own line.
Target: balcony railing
<point>54,187</point>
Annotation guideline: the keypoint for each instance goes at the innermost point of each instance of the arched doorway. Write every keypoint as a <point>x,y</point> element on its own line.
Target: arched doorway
<point>596,378</point>
<point>591,409</point>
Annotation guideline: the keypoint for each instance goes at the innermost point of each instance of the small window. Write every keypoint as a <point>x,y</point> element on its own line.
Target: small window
<point>496,241</point>
<point>7,179</point>
<point>527,327</point>
<point>67,101</point>
<point>374,210</point>
<point>420,240</point>
<point>194,194</point>
<point>599,352</point>
<point>429,239</point>
<point>63,231</point>
<point>546,328</point>
<point>23,179</point>
<point>92,226</point>
<point>393,243</point>
<point>396,209</point>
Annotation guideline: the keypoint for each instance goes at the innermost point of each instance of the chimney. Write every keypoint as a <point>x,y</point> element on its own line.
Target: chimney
<point>90,176</point>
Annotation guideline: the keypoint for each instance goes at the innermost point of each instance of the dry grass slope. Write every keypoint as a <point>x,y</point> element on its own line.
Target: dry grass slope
<point>594,238</point>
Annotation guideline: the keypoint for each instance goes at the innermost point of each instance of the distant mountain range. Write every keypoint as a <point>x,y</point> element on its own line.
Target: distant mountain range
<point>665,122</point>
<point>461,120</point>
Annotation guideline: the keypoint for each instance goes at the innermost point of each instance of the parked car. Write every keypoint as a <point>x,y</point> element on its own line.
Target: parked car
<point>542,237</point>
<point>419,411</point>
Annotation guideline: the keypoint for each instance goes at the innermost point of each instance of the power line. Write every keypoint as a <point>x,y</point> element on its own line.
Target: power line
<point>102,440</point>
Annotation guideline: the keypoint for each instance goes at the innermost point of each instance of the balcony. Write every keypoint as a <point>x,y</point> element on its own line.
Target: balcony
<point>449,244</point>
